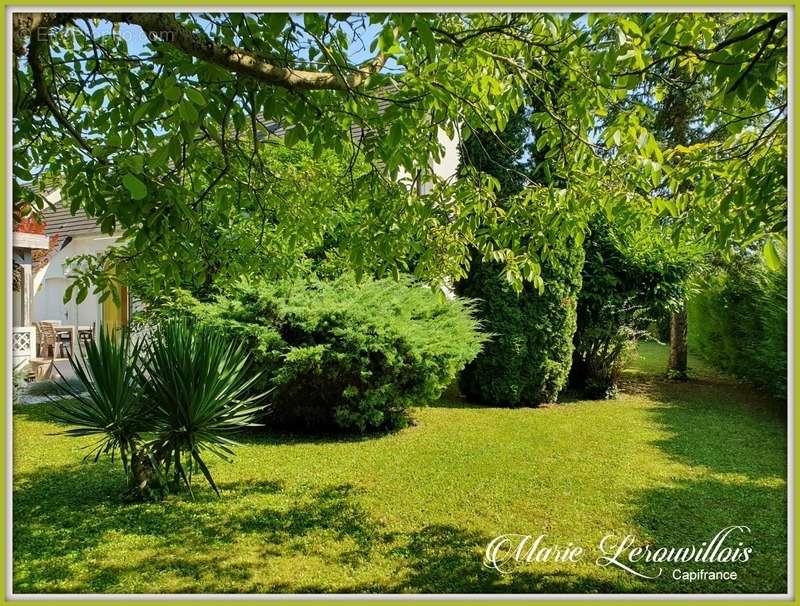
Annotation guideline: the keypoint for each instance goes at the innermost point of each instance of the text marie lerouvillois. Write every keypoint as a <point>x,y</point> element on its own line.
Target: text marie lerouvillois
<point>726,547</point>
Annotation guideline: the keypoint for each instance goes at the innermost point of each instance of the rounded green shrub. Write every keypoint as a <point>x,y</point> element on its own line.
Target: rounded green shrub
<point>528,358</point>
<point>348,356</point>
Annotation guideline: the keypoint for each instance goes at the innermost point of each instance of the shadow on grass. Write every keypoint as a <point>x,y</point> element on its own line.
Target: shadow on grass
<point>719,425</point>
<point>39,413</point>
<point>448,559</point>
<point>693,512</point>
<point>262,434</point>
<point>63,516</point>
<point>735,439</point>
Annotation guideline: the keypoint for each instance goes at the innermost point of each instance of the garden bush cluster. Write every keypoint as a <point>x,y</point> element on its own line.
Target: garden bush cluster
<point>738,322</point>
<point>626,285</point>
<point>348,356</point>
<point>162,401</point>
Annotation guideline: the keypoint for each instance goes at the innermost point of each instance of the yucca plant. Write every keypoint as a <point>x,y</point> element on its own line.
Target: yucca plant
<point>199,384</point>
<point>107,401</point>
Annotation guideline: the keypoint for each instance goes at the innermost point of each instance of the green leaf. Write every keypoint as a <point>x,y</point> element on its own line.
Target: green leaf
<point>758,97</point>
<point>294,134</point>
<point>196,97</point>
<point>188,111</point>
<point>83,292</point>
<point>395,133</point>
<point>426,35</point>
<point>139,112</point>
<point>159,157</point>
<point>136,163</point>
<point>137,189</point>
<point>107,225</point>
<point>172,94</point>
<point>771,257</point>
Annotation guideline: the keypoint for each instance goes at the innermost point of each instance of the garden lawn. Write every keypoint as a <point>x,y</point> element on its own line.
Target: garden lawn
<point>413,511</point>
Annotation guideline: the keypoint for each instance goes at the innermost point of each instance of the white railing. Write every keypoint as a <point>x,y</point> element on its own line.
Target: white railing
<point>23,344</point>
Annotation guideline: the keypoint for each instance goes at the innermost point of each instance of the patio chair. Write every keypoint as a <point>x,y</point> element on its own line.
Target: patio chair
<point>49,339</point>
<point>65,341</point>
<point>38,338</point>
<point>41,345</point>
<point>87,335</point>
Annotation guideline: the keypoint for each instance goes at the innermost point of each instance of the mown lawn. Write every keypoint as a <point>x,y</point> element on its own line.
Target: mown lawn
<point>413,511</point>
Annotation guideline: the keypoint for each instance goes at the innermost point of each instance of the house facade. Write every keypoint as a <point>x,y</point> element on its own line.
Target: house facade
<point>44,274</point>
<point>69,235</point>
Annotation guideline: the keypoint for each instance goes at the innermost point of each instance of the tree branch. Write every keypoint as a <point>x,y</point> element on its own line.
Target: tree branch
<point>755,59</point>
<point>164,28</point>
<point>38,46</point>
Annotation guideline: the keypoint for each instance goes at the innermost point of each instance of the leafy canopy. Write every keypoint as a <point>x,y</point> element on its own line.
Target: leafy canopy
<point>145,133</point>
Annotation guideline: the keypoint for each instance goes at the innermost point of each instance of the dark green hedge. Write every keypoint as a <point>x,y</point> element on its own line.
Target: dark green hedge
<point>528,358</point>
<point>737,322</point>
<point>339,355</point>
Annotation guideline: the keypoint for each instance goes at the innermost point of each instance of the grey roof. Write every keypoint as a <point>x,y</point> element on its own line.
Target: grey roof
<point>60,221</point>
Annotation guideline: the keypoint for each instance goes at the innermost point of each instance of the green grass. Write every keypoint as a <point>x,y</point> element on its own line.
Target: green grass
<point>412,511</point>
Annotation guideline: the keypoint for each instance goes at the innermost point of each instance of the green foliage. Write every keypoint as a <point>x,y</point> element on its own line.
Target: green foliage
<point>527,361</point>
<point>174,393</point>
<point>603,356</point>
<point>112,409</point>
<point>161,145</point>
<point>528,358</point>
<point>501,155</point>
<point>301,220</point>
<point>196,381</point>
<point>738,321</point>
<point>348,356</point>
<point>629,279</point>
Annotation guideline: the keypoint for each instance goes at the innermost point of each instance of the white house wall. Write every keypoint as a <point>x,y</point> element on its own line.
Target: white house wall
<point>446,168</point>
<point>52,280</point>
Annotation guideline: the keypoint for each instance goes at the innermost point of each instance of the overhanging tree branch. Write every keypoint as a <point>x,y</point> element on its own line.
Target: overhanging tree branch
<point>38,46</point>
<point>166,29</point>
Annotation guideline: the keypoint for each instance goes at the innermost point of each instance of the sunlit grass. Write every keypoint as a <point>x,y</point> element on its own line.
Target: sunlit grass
<point>412,511</point>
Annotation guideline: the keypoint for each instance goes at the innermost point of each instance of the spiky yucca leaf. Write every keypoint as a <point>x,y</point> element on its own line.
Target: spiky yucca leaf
<point>198,383</point>
<point>112,406</point>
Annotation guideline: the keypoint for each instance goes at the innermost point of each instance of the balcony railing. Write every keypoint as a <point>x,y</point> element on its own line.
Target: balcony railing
<point>23,344</point>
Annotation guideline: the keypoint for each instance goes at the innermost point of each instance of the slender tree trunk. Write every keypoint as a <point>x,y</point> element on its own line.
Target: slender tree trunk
<point>678,346</point>
<point>143,483</point>
<point>673,123</point>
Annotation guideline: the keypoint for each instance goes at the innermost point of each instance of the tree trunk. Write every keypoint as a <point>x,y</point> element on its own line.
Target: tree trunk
<point>678,347</point>
<point>144,482</point>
